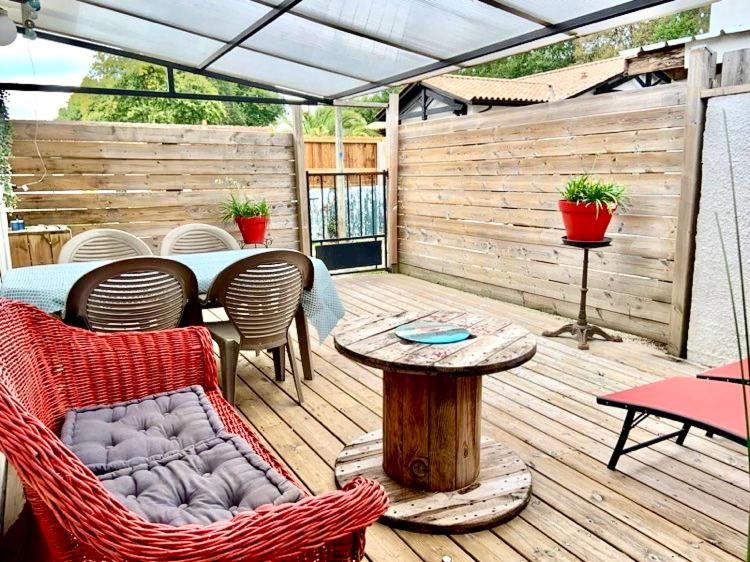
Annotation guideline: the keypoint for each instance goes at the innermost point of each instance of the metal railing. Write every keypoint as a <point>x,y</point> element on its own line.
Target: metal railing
<point>348,208</point>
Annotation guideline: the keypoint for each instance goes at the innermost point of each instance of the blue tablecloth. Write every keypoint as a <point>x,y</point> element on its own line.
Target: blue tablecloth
<point>47,286</point>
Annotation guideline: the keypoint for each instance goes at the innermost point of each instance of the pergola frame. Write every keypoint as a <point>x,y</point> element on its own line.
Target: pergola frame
<point>439,64</point>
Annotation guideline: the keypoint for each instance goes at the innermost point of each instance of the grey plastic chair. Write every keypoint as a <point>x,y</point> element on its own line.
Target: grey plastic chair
<point>261,295</point>
<point>134,295</point>
<point>197,238</point>
<point>102,244</point>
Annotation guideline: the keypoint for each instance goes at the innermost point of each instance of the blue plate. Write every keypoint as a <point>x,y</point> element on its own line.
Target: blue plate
<point>432,332</point>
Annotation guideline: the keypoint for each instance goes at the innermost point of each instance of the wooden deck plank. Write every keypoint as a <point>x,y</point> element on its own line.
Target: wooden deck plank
<point>666,503</point>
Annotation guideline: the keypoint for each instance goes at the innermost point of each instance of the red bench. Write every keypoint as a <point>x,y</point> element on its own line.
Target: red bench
<point>716,406</point>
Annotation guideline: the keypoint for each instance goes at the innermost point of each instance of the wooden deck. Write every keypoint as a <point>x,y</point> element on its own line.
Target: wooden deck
<point>664,503</point>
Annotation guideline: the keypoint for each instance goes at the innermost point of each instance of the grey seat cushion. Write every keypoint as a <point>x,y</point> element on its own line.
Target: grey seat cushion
<point>125,434</point>
<point>204,483</point>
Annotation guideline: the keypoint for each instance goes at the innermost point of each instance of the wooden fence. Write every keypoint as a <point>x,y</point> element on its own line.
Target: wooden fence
<point>360,154</point>
<point>147,179</point>
<point>478,203</point>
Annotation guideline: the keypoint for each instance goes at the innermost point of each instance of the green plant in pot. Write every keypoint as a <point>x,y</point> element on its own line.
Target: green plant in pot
<point>587,206</point>
<point>252,217</point>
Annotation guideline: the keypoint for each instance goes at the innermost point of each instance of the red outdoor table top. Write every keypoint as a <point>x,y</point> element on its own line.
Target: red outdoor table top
<point>716,403</point>
<point>730,371</point>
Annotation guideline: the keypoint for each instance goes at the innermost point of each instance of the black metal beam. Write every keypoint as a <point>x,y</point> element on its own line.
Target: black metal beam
<point>244,35</point>
<point>518,12</point>
<point>548,31</point>
<point>145,93</point>
<point>255,49</point>
<point>76,42</point>
<point>357,33</point>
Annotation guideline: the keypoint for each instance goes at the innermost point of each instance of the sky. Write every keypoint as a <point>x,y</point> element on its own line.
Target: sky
<point>41,62</point>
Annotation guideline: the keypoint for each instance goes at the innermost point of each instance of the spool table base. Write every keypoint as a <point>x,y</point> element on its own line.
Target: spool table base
<point>501,491</point>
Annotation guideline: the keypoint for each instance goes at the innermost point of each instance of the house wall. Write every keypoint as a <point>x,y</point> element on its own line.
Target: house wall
<point>711,335</point>
<point>478,203</point>
<point>147,179</point>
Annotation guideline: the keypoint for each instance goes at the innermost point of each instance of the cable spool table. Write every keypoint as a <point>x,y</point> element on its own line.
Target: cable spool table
<point>440,474</point>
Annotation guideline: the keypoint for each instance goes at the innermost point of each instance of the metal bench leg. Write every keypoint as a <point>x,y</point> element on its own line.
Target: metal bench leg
<point>620,446</point>
<point>683,434</point>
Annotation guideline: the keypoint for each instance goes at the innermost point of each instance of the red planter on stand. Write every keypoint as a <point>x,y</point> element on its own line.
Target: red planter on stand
<point>584,222</point>
<point>253,229</point>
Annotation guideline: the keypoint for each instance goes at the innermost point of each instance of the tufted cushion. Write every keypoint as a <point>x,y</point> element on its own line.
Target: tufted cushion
<point>112,437</point>
<point>207,482</point>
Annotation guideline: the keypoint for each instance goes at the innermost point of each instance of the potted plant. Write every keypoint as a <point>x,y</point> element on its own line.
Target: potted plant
<point>251,217</point>
<point>587,206</point>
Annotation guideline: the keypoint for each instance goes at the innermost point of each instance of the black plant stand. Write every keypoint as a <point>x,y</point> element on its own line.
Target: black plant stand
<point>582,329</point>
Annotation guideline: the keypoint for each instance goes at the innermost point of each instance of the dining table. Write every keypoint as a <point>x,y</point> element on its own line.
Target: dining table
<point>47,287</point>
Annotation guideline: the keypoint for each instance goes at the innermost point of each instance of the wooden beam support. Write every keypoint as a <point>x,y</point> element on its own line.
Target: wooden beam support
<point>725,91</point>
<point>342,201</point>
<point>735,68</point>
<point>392,119</point>
<point>303,202</point>
<point>702,68</point>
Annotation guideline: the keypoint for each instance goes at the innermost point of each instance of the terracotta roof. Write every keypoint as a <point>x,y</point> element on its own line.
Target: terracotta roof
<point>567,82</point>
<point>473,89</point>
<point>545,86</point>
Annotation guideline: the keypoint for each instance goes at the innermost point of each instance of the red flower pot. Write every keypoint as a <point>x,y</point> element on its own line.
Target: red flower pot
<point>584,221</point>
<point>253,229</point>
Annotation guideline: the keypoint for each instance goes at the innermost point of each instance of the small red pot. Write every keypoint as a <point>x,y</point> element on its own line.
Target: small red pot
<point>253,229</point>
<point>584,221</point>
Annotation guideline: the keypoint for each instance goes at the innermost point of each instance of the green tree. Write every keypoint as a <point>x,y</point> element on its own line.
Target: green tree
<point>543,59</point>
<point>6,141</point>
<point>109,71</point>
<point>597,46</point>
<point>322,122</point>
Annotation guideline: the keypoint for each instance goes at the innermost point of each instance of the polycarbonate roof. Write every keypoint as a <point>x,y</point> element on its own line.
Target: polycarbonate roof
<point>333,48</point>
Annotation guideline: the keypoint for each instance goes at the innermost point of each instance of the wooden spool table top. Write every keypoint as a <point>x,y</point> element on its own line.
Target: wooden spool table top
<point>440,474</point>
<point>495,344</point>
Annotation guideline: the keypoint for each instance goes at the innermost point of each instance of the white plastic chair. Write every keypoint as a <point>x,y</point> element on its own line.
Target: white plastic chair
<point>197,238</point>
<point>103,244</point>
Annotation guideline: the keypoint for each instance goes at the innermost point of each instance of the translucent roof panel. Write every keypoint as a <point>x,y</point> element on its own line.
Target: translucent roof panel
<point>218,19</point>
<point>436,28</point>
<point>318,45</point>
<point>331,48</point>
<point>271,70</point>
<point>100,25</point>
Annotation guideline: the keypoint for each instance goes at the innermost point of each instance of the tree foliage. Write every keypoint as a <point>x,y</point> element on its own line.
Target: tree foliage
<point>6,141</point>
<point>598,46</point>
<point>321,122</point>
<point>108,71</point>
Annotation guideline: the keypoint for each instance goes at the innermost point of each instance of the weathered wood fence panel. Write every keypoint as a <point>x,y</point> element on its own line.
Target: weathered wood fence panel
<point>147,179</point>
<point>360,153</point>
<point>478,203</point>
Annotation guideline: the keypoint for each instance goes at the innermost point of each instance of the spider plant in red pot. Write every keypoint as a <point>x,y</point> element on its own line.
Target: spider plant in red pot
<point>251,217</point>
<point>587,206</point>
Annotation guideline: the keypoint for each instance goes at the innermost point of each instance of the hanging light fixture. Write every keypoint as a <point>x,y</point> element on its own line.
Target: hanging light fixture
<point>7,29</point>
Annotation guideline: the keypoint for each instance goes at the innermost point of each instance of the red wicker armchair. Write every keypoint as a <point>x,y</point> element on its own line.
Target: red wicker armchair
<point>46,368</point>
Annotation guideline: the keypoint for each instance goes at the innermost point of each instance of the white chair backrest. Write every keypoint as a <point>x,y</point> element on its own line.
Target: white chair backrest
<point>102,244</point>
<point>196,239</point>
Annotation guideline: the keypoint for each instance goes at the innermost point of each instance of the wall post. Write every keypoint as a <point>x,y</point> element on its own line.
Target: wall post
<point>701,70</point>
<point>342,201</point>
<point>303,202</point>
<point>392,119</point>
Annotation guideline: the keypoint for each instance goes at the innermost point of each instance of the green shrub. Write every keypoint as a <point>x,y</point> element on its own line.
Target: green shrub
<point>243,207</point>
<point>586,190</point>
